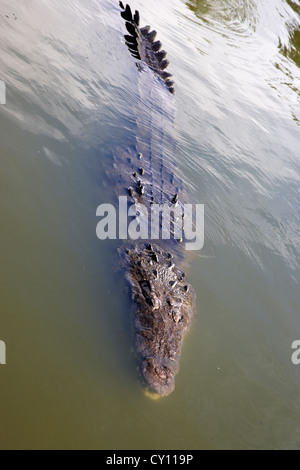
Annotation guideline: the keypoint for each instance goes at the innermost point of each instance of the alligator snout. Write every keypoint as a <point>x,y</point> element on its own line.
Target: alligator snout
<point>159,378</point>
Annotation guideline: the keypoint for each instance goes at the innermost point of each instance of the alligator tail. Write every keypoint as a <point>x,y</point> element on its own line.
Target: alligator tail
<point>142,45</point>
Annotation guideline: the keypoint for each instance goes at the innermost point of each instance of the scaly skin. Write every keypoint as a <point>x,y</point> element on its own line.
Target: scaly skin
<point>162,300</point>
<point>163,305</point>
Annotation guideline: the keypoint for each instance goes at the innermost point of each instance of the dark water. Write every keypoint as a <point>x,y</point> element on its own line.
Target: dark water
<point>70,379</point>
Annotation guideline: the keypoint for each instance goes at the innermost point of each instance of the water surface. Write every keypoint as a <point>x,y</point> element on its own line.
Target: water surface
<point>70,379</point>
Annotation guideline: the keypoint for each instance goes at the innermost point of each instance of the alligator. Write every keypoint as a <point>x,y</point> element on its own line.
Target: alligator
<point>162,300</point>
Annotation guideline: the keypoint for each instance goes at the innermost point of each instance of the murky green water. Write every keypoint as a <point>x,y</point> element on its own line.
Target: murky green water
<point>70,379</point>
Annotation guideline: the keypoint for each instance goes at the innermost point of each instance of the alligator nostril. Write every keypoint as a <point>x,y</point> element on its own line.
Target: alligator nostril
<point>161,373</point>
<point>176,315</point>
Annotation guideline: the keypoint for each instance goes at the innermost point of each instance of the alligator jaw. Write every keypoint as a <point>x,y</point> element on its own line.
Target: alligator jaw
<point>163,305</point>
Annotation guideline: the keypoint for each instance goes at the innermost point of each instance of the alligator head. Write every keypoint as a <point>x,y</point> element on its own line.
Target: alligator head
<point>163,304</point>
